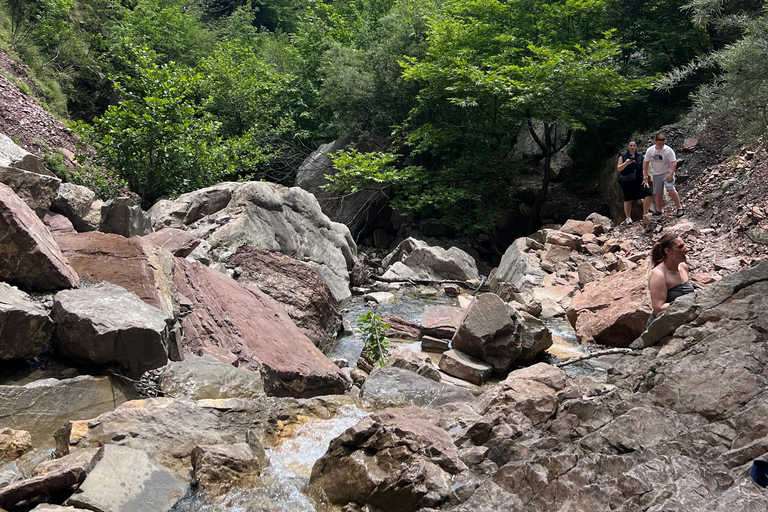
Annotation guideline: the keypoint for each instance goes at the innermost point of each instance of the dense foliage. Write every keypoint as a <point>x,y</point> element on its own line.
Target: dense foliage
<point>178,94</point>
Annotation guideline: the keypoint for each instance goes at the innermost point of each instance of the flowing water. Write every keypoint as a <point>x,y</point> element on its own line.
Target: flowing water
<point>286,479</point>
<point>408,305</point>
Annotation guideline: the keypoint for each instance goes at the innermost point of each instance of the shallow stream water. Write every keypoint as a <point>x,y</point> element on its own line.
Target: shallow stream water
<point>286,479</point>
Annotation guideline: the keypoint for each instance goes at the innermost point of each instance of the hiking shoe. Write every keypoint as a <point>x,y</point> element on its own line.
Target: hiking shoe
<point>628,221</point>
<point>680,212</point>
<point>656,213</point>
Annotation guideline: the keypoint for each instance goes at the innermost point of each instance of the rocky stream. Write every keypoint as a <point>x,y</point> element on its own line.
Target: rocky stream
<point>202,356</point>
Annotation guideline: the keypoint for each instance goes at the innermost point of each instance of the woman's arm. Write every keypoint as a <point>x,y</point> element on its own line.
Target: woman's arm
<point>658,288</point>
<point>621,165</point>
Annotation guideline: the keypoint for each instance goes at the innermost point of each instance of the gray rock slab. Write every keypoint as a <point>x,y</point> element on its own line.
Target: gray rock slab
<point>127,480</point>
<point>36,190</point>
<point>430,344</point>
<point>13,155</point>
<point>25,327</point>
<point>458,364</point>
<point>107,325</point>
<point>121,217</point>
<point>204,377</point>
<point>520,267</point>
<point>41,485</point>
<point>75,202</point>
<point>406,386</point>
<point>430,262</point>
<point>266,216</point>
<point>42,407</point>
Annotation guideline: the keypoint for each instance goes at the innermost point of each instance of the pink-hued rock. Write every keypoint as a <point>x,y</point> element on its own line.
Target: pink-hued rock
<point>441,321</point>
<point>294,284</point>
<point>176,241</point>
<point>57,223</point>
<point>612,311</point>
<point>250,324</point>
<point>581,227</point>
<point>132,263</point>
<point>29,255</point>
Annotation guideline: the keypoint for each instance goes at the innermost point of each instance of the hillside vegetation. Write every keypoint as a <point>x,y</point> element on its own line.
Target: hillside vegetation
<point>174,95</point>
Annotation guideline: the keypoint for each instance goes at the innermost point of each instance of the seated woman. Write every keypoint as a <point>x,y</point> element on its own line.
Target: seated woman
<point>669,277</point>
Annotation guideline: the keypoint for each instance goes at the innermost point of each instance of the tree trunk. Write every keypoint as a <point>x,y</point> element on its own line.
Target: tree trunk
<point>546,146</point>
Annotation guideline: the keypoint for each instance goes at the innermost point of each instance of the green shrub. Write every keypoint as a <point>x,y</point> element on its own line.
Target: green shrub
<point>376,349</point>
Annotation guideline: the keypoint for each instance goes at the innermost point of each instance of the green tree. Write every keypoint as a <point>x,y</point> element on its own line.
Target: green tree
<point>737,97</point>
<point>173,29</point>
<point>159,138</point>
<point>256,107</point>
<point>493,67</point>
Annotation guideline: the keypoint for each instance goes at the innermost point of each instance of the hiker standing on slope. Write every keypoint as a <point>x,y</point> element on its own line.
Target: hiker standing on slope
<point>664,163</point>
<point>630,169</point>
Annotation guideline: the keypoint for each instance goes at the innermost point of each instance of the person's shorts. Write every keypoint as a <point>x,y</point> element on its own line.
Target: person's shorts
<point>660,183</point>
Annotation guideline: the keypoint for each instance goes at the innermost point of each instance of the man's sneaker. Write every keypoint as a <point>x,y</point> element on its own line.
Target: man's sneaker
<point>628,221</point>
<point>656,213</point>
<point>680,212</point>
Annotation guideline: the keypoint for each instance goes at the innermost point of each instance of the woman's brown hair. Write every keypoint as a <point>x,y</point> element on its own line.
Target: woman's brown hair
<point>665,242</point>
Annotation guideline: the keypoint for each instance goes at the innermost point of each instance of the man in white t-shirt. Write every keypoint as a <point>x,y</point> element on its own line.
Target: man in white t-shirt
<point>663,161</point>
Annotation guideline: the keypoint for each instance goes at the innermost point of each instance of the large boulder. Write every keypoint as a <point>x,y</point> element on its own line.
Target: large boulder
<point>535,339</point>
<point>174,240</point>
<point>256,329</point>
<point>398,460</point>
<point>29,256</point>
<point>108,326</point>
<point>127,480</point>
<point>133,263</point>
<point>491,332</point>
<point>36,190</point>
<point>432,263</point>
<point>25,327</point>
<point>306,297</point>
<point>519,267</point>
<point>220,467</point>
<point>13,155</point>
<point>76,203</point>
<point>205,377</point>
<point>359,210</point>
<point>267,216</point>
<point>42,407</point>
<point>612,311</point>
<point>122,217</point>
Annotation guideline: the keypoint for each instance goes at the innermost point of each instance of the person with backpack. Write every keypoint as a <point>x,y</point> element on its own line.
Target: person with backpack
<point>630,169</point>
